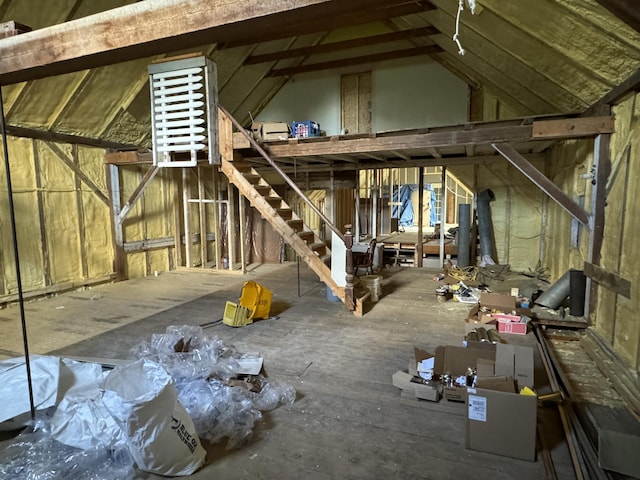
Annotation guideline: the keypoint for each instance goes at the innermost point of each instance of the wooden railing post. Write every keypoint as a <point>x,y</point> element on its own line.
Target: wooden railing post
<point>348,289</point>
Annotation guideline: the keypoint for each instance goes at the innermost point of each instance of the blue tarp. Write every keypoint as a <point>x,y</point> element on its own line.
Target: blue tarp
<point>404,212</point>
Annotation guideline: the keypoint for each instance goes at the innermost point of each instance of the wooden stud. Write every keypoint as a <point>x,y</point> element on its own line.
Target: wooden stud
<point>41,216</point>
<point>81,218</point>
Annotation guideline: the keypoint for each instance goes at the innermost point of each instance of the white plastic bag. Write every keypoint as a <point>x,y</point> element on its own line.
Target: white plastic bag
<point>15,408</point>
<point>143,400</point>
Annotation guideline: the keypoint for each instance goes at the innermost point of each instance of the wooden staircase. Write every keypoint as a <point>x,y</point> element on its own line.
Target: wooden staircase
<point>311,249</point>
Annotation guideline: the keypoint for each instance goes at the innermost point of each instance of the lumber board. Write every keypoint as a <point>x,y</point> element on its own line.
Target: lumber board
<point>578,127</point>
<point>144,29</point>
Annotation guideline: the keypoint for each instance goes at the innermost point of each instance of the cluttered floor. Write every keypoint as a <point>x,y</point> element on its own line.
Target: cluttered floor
<point>348,419</point>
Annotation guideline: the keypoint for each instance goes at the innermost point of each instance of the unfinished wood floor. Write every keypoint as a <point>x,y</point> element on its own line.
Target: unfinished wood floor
<point>348,422</point>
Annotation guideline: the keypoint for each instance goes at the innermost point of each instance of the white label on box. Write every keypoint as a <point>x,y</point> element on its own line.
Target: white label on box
<point>477,408</point>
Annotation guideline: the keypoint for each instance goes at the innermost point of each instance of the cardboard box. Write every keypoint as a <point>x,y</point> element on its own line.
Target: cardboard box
<point>485,368</point>
<point>498,302</point>
<point>514,328</point>
<point>502,423</point>
<point>267,131</point>
<point>424,363</point>
<point>515,361</point>
<point>491,302</point>
<point>429,392</point>
<point>455,361</point>
<point>499,384</point>
<point>618,438</point>
<point>402,380</point>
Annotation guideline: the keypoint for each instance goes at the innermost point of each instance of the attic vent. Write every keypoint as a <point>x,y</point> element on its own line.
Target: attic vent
<point>184,112</point>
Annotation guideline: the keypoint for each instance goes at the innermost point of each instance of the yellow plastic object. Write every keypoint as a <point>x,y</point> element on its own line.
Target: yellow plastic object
<point>236,315</point>
<point>527,391</point>
<point>257,299</point>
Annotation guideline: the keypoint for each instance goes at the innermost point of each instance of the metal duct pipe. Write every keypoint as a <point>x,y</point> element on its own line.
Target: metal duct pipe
<point>485,226</point>
<point>577,291</point>
<point>556,293</point>
<point>464,234</point>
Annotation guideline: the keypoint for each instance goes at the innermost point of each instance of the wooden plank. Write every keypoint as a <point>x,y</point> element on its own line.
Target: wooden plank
<point>41,216</point>
<point>81,218</point>
<point>120,257</point>
<point>49,136</point>
<point>546,185</point>
<point>402,142</point>
<point>609,280</point>
<point>576,127</point>
<point>11,28</point>
<point>144,29</point>
<point>602,170</point>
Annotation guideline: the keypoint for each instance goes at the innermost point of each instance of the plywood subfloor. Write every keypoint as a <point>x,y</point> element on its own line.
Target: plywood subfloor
<point>348,422</point>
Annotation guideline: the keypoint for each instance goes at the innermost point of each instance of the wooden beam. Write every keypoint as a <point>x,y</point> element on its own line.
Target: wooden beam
<point>143,29</point>
<point>10,29</point>
<point>344,45</point>
<point>576,127</point>
<point>546,185</point>
<point>437,139</point>
<point>611,281</point>
<point>323,23</point>
<point>49,136</point>
<point>631,84</point>
<point>625,10</point>
<point>347,62</point>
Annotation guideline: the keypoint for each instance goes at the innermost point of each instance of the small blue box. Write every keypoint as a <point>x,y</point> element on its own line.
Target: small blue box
<point>305,129</point>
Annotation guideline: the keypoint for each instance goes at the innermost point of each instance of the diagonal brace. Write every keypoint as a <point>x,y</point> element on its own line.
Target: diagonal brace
<point>151,173</point>
<point>69,163</point>
<point>546,185</point>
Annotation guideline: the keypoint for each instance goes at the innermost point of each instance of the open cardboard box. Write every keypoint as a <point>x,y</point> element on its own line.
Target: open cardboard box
<point>509,321</point>
<point>500,420</point>
<point>455,361</point>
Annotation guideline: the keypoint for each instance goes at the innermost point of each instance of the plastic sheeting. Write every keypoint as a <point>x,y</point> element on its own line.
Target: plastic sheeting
<point>212,383</point>
<point>405,212</point>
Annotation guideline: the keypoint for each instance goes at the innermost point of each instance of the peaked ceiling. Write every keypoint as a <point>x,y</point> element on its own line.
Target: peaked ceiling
<point>540,57</point>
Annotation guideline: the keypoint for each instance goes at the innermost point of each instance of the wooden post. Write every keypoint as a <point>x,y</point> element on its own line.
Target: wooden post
<point>203,221</point>
<point>417,254</point>
<point>120,259</point>
<point>216,216</point>
<point>176,217</point>
<point>187,226</point>
<point>241,215</point>
<point>231,225</point>
<point>443,213</point>
<point>349,299</point>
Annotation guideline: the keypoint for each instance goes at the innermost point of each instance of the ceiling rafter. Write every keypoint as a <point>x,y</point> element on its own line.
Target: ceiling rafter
<point>347,62</point>
<point>343,45</point>
<point>162,25</point>
<point>326,23</point>
<point>525,75</point>
<point>521,45</point>
<point>558,33</point>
